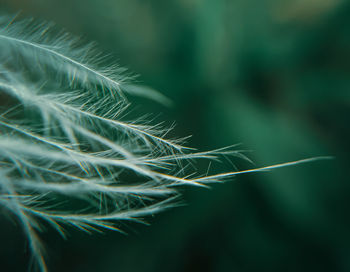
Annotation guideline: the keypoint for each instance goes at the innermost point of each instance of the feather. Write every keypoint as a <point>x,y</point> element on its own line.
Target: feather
<point>67,156</point>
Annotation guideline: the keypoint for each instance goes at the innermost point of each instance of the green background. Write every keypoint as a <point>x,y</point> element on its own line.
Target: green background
<point>273,75</point>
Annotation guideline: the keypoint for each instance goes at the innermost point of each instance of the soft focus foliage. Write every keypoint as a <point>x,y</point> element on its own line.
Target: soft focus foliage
<point>271,74</point>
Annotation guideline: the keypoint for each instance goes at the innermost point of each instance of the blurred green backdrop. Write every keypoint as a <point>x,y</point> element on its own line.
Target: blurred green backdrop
<point>271,74</point>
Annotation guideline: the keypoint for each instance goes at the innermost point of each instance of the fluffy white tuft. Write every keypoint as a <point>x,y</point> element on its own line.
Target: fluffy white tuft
<point>67,156</point>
